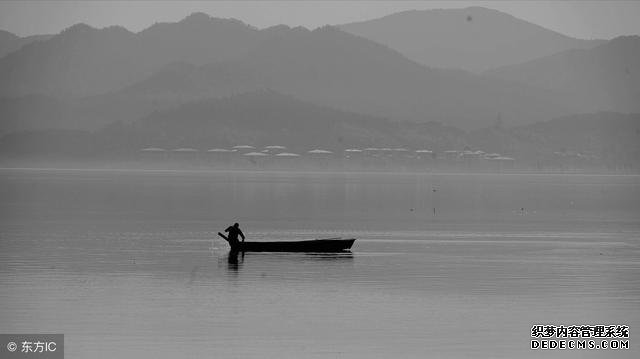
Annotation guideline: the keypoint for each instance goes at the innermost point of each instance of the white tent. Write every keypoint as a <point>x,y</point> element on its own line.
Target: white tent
<point>320,152</point>
<point>219,150</point>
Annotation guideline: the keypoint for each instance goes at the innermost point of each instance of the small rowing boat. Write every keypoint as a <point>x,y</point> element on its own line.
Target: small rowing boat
<point>314,245</point>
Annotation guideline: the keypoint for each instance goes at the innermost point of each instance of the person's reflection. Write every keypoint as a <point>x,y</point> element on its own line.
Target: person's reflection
<point>234,261</point>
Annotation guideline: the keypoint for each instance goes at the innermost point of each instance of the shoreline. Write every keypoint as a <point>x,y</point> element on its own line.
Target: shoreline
<point>131,167</point>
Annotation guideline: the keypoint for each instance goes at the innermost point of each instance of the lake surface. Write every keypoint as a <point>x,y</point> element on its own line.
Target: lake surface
<point>127,264</point>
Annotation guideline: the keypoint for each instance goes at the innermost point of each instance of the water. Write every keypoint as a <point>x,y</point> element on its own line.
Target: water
<point>127,264</point>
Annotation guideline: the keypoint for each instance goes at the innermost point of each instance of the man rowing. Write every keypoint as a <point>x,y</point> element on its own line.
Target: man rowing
<point>234,231</point>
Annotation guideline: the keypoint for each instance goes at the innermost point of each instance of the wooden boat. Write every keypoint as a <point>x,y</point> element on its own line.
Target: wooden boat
<point>315,245</point>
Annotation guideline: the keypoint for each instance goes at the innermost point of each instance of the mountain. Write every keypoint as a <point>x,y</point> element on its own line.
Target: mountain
<point>586,141</point>
<point>10,42</point>
<point>606,77</point>
<point>329,67</point>
<point>37,112</point>
<point>84,61</point>
<point>601,133</point>
<point>198,39</point>
<point>78,61</point>
<point>260,118</point>
<point>474,38</point>
<point>113,74</point>
<point>605,138</point>
<point>267,117</point>
<point>33,112</point>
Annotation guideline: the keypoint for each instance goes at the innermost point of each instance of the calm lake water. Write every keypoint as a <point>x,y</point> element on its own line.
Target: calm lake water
<point>127,264</point>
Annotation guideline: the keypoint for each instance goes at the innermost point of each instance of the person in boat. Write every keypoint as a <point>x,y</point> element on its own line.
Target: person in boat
<point>234,231</point>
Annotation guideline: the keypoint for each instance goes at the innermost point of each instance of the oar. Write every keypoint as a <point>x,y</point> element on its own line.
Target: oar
<point>223,236</point>
<point>233,248</point>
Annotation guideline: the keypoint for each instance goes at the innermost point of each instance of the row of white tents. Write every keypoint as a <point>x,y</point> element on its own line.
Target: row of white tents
<point>281,151</point>
<point>278,150</point>
<point>268,151</point>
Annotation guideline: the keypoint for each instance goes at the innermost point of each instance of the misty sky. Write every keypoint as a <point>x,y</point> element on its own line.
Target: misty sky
<point>582,19</point>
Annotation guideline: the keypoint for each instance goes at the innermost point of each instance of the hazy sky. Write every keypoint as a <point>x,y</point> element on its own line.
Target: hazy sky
<point>582,19</point>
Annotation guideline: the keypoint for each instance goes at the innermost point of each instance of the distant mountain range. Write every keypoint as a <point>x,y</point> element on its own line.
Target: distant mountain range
<point>10,42</point>
<point>474,39</point>
<point>86,78</point>
<point>84,61</point>
<point>612,138</point>
<point>325,66</point>
<point>606,134</point>
<point>267,117</point>
<point>33,112</point>
<point>332,68</point>
<point>259,118</point>
<point>606,77</point>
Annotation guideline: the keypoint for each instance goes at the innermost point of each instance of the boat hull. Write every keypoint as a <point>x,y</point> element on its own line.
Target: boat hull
<point>316,245</point>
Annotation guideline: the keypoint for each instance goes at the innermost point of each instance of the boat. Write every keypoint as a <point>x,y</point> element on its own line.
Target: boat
<point>315,245</point>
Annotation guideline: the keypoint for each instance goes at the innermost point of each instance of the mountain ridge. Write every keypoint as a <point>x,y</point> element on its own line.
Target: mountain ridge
<point>82,60</point>
<point>112,74</point>
<point>10,42</point>
<point>477,38</point>
<point>606,77</point>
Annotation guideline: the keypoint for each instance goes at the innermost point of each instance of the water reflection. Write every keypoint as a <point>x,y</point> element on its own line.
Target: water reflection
<point>267,262</point>
<point>234,261</point>
<point>341,256</point>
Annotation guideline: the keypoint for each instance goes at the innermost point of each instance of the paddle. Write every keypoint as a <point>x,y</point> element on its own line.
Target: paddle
<point>223,236</point>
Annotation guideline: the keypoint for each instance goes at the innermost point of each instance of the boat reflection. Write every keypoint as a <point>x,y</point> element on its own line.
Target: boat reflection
<point>236,259</point>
